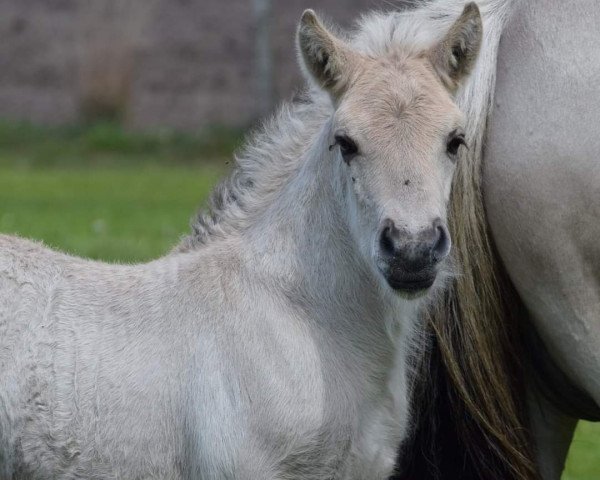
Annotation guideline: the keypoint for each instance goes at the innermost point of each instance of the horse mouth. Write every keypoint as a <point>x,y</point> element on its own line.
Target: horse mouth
<point>411,286</point>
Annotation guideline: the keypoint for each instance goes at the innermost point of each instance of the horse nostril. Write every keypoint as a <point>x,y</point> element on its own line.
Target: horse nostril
<point>441,245</point>
<point>388,238</point>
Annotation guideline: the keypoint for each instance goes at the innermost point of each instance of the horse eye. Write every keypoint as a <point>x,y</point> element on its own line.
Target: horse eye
<point>348,147</point>
<point>455,140</point>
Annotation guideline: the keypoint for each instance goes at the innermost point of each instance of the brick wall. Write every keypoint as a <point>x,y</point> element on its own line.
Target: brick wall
<point>178,64</point>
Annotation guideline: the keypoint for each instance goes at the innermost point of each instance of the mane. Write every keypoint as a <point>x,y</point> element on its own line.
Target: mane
<point>267,160</point>
<point>468,399</point>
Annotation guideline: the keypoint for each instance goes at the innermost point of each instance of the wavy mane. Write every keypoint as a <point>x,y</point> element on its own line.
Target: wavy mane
<point>269,157</point>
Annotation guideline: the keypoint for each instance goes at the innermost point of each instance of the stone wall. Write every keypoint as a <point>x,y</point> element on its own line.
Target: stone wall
<point>179,64</point>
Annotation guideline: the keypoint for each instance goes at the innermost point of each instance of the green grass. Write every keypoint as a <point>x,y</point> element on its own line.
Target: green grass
<point>104,193</point>
<point>125,214</point>
<point>101,192</point>
<point>583,462</point>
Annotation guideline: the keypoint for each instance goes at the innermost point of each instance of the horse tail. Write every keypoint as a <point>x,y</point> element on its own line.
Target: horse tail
<point>468,398</point>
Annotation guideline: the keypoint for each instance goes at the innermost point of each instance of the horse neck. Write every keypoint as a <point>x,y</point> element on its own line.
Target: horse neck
<point>303,245</point>
<point>304,220</point>
<point>303,252</point>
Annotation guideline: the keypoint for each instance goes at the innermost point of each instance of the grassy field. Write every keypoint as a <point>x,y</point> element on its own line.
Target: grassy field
<point>583,462</point>
<point>102,193</point>
<point>120,215</point>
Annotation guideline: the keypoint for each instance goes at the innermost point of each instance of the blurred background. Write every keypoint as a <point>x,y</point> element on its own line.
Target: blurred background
<point>152,64</point>
<point>117,117</point>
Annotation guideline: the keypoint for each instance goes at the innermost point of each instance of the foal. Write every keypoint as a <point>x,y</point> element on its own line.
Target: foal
<point>273,343</point>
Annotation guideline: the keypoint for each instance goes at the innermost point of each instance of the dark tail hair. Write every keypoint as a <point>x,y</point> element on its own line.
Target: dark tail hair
<point>454,435</point>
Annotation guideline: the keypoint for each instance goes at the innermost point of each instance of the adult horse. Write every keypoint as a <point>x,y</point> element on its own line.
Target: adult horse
<point>515,359</point>
<point>273,343</point>
<point>542,195</point>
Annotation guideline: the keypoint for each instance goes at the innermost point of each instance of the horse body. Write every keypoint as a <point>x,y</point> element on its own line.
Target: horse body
<point>542,180</point>
<point>542,185</point>
<point>73,331</point>
<point>274,342</point>
<point>177,369</point>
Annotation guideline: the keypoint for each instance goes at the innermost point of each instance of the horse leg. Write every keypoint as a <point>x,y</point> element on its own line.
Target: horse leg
<point>553,432</point>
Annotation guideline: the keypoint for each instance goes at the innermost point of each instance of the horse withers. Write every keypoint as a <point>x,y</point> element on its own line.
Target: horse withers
<point>273,342</point>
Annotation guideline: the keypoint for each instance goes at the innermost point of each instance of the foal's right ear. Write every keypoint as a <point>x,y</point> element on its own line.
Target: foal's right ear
<point>324,57</point>
<point>455,55</point>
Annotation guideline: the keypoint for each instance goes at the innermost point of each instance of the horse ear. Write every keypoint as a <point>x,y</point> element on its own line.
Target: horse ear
<point>324,57</point>
<point>455,55</point>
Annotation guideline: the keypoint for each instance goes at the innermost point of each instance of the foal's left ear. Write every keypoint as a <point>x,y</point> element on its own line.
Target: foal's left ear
<point>455,55</point>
